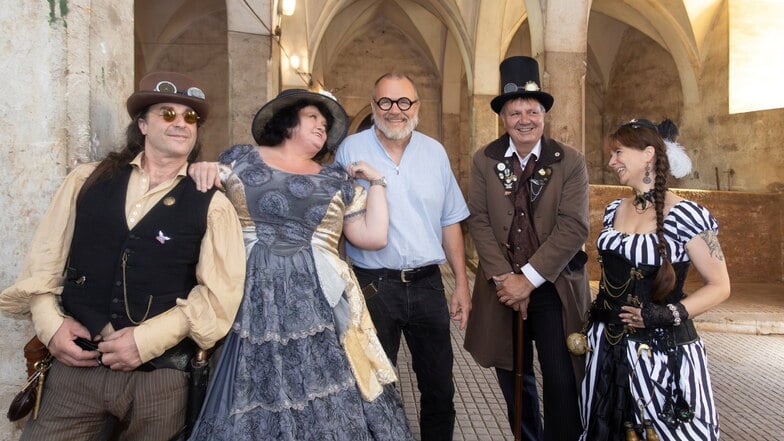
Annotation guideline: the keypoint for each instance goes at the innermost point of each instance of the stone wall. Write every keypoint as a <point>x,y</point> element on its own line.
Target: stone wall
<point>199,51</point>
<point>66,72</point>
<point>367,57</point>
<point>730,152</point>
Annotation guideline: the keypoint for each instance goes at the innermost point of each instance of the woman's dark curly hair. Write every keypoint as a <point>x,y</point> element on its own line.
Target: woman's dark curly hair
<point>282,123</point>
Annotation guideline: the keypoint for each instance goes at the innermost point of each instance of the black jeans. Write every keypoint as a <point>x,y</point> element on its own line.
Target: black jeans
<point>418,310</point>
<point>544,326</point>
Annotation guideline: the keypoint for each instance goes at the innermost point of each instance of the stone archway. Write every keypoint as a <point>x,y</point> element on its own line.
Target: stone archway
<point>189,37</point>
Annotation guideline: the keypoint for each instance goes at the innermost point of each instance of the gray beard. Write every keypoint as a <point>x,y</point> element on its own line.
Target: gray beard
<point>397,134</point>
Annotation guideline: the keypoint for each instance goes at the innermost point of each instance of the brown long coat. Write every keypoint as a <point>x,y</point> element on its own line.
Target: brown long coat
<point>561,223</point>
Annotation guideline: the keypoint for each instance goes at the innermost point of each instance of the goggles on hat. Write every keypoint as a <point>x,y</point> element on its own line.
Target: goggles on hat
<point>169,87</point>
<point>530,86</point>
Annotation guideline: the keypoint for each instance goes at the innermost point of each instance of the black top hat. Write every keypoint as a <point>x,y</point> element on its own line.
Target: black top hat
<point>520,79</point>
<point>168,87</point>
<point>290,96</point>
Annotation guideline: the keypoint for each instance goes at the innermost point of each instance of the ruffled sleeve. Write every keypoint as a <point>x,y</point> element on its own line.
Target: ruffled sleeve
<point>609,213</point>
<point>692,219</point>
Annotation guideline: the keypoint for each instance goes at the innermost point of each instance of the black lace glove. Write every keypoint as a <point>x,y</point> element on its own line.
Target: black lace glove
<point>657,316</point>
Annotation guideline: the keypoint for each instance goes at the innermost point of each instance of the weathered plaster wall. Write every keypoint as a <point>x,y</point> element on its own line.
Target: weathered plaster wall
<point>729,152</point>
<point>67,69</point>
<point>643,83</point>
<point>749,144</point>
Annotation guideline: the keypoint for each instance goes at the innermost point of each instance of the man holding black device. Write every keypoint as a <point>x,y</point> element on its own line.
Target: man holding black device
<point>154,271</point>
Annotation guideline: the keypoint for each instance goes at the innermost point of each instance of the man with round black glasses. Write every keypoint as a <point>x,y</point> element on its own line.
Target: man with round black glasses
<point>402,282</point>
<point>130,273</point>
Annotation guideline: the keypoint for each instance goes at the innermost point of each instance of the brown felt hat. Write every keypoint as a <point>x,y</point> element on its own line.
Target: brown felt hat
<point>168,87</point>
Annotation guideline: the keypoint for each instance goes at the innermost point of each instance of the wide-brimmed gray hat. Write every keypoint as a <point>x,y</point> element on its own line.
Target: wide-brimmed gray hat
<point>520,79</point>
<point>290,96</point>
<point>168,87</point>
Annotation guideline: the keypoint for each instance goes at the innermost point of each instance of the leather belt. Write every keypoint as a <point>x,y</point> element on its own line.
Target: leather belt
<point>177,357</point>
<point>406,275</point>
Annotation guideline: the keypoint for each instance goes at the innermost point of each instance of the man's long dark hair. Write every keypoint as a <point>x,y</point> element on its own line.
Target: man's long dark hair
<point>115,162</point>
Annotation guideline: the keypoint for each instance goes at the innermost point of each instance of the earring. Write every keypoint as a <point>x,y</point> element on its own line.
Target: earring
<point>647,178</point>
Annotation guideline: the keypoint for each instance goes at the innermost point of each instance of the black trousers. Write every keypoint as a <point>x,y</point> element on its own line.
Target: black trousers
<point>544,326</point>
<point>418,311</point>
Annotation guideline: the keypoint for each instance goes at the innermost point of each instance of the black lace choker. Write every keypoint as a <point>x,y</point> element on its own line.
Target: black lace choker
<point>642,201</point>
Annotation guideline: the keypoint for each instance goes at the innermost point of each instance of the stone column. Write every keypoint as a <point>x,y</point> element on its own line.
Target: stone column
<point>99,77</point>
<point>483,129</point>
<point>251,73</point>
<point>564,79</point>
<point>484,126</point>
<point>253,63</point>
<point>67,73</point>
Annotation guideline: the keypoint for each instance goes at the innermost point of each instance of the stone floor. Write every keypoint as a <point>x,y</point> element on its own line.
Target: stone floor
<point>745,342</point>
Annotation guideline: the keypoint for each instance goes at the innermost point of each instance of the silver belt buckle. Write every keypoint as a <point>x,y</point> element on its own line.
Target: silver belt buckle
<point>403,275</point>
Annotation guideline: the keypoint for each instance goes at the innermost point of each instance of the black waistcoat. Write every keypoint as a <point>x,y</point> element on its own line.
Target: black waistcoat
<point>150,265</point>
<point>523,241</point>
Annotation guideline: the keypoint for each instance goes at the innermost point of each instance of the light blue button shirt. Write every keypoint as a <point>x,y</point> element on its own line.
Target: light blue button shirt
<point>422,194</point>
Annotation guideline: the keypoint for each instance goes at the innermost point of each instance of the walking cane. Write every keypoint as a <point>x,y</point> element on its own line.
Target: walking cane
<point>518,385</point>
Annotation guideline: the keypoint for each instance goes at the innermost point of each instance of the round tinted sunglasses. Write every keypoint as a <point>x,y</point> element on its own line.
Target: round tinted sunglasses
<point>189,116</point>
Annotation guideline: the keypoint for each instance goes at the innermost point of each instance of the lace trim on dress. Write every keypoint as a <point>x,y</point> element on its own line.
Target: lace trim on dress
<point>278,337</point>
<point>300,404</point>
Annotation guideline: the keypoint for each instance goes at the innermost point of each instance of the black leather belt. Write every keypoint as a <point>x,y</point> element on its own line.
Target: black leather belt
<point>177,357</point>
<point>406,275</point>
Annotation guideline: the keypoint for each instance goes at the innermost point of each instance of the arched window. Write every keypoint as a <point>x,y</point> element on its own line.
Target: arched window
<point>755,59</point>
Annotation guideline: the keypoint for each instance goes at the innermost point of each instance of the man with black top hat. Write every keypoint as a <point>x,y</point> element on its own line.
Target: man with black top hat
<point>131,271</point>
<point>529,221</point>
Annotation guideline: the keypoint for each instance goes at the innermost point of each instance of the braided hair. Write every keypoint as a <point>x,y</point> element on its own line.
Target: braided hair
<point>639,134</point>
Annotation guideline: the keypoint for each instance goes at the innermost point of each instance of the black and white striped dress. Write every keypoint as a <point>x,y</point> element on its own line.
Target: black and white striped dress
<point>650,377</point>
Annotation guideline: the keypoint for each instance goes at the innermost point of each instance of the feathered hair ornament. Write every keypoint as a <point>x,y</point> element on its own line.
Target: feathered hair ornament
<point>680,163</point>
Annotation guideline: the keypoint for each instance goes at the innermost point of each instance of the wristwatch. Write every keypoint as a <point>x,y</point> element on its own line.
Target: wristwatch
<point>382,181</point>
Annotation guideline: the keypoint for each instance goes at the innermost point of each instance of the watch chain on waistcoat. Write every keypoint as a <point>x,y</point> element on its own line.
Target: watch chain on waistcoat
<point>125,295</point>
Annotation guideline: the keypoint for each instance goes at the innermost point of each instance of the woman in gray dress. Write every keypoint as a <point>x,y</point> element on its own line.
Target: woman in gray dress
<point>302,361</point>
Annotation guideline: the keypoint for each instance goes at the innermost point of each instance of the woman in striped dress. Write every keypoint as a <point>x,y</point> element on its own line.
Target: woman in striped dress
<point>647,369</point>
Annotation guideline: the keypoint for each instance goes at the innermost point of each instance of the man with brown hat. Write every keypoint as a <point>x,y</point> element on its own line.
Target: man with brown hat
<point>131,271</point>
<point>529,221</point>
